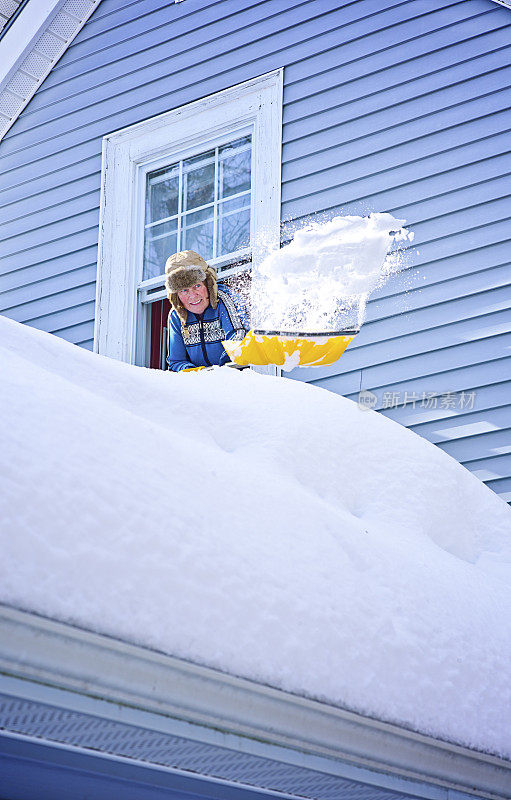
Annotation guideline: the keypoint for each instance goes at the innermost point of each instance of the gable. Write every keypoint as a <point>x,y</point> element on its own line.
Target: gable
<point>33,38</point>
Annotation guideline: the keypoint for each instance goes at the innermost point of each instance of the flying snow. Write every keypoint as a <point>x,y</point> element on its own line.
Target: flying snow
<point>322,279</point>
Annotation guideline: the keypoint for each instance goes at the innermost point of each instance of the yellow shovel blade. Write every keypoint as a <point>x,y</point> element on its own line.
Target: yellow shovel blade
<point>287,351</point>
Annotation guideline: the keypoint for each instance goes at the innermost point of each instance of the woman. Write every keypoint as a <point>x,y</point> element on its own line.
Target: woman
<point>203,314</point>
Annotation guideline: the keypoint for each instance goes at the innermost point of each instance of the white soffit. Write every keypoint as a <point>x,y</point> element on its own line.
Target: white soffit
<point>8,9</point>
<point>31,45</point>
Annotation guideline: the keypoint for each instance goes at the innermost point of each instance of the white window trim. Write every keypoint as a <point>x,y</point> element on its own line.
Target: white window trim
<point>130,153</point>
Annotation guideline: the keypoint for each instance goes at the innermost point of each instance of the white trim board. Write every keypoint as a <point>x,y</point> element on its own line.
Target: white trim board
<point>30,48</point>
<point>129,154</point>
<point>47,662</point>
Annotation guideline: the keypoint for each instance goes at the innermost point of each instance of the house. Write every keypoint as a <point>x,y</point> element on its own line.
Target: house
<point>133,128</point>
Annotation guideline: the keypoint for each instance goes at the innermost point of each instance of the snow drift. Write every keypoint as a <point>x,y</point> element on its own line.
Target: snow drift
<point>260,526</point>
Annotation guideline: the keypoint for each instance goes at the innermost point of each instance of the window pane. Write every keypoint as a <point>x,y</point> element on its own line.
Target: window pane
<point>237,204</point>
<point>234,232</point>
<point>199,160</point>
<point>163,229</point>
<point>200,239</point>
<point>156,252</point>
<point>162,194</point>
<point>199,180</point>
<point>193,217</point>
<point>235,173</point>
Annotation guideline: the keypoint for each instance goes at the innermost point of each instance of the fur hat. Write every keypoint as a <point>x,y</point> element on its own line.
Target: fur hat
<point>184,270</point>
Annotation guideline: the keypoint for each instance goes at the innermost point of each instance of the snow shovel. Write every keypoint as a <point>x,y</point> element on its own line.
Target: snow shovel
<point>289,349</point>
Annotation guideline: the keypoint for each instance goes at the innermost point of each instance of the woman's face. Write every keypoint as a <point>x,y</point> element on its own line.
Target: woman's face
<point>196,298</point>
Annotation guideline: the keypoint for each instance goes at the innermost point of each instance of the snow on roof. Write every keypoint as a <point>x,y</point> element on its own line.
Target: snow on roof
<point>260,526</point>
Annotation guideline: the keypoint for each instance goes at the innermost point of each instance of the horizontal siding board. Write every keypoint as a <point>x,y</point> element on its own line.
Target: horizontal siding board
<point>465,220</point>
<point>465,425</point>
<point>410,38</point>
<point>162,27</point>
<point>404,144</point>
<point>459,264</point>
<point>387,192</point>
<point>451,379</point>
<point>446,216</point>
<point>453,382</point>
<point>36,238</point>
<point>457,379</point>
<point>401,200</point>
<point>53,266</point>
<point>390,166</point>
<point>112,15</point>
<point>396,362</point>
<point>422,178</point>
<point>52,304</point>
<point>118,104</point>
<point>81,334</point>
<point>65,318</point>
<point>428,364</point>
<point>425,420</point>
<point>436,89</point>
<point>51,250</point>
<point>490,468</point>
<point>470,448</point>
<point>48,173</point>
<point>399,345</point>
<point>145,40</point>
<point>392,66</point>
<point>466,318</point>
<point>480,236</point>
<point>49,215</point>
<point>64,142</point>
<point>502,486</point>
<point>47,202</point>
<point>180,34</point>
<point>432,294</point>
<point>346,383</point>
<point>22,296</point>
<point>438,108</point>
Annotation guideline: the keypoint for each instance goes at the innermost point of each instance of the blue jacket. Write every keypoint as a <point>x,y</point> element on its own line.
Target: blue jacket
<point>202,347</point>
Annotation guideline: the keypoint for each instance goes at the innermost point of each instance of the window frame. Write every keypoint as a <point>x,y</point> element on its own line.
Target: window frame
<point>121,321</point>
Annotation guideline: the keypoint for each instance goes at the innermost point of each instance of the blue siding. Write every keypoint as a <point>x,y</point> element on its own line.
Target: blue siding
<point>395,105</point>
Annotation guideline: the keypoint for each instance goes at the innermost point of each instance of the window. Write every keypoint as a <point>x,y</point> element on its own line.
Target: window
<point>200,203</point>
<point>204,177</point>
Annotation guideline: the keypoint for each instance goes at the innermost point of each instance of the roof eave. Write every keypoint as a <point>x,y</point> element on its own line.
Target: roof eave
<point>40,651</point>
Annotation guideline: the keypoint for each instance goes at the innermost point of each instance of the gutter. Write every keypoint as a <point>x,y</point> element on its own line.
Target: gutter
<point>38,656</point>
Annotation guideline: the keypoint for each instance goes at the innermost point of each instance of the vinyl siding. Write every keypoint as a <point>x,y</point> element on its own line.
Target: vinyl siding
<point>396,106</point>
